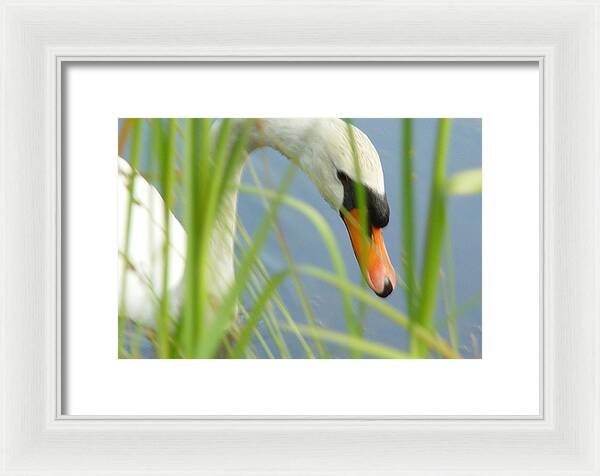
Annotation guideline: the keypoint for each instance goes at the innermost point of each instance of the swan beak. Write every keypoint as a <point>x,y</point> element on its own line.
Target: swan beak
<point>374,261</point>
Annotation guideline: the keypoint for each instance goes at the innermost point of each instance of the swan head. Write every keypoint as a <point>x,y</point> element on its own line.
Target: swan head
<point>339,159</point>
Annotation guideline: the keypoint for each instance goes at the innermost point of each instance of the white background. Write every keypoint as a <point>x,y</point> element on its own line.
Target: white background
<point>505,382</point>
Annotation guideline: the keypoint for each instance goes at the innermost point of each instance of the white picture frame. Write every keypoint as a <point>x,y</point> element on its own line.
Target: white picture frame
<point>38,37</point>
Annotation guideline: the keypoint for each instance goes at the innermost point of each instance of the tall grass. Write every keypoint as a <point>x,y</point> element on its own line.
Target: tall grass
<point>434,240</point>
<point>408,228</point>
<point>252,319</point>
<point>167,181</point>
<point>135,160</point>
<point>363,219</point>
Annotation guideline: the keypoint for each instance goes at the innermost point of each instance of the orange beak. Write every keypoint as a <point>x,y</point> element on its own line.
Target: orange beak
<point>371,255</point>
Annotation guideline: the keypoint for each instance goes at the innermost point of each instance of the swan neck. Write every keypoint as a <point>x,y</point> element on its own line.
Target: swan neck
<point>288,136</point>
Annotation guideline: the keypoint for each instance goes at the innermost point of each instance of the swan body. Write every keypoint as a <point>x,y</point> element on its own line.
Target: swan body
<point>323,151</point>
<point>144,267</point>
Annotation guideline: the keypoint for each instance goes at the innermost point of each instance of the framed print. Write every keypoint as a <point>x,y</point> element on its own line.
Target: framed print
<point>352,239</point>
<point>383,332</point>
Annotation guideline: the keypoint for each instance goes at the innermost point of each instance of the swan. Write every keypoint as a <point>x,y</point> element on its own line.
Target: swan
<point>324,152</point>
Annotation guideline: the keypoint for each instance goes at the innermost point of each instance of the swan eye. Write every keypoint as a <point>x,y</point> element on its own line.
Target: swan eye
<point>377,205</point>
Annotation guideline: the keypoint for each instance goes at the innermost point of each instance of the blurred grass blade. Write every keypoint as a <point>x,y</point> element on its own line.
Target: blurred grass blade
<point>167,176</point>
<point>193,196</point>
<point>205,212</point>
<point>408,222</point>
<point>467,182</point>
<point>136,152</point>
<point>354,344</point>
<point>434,240</point>
<point>363,219</point>
<point>256,314</point>
<point>449,292</point>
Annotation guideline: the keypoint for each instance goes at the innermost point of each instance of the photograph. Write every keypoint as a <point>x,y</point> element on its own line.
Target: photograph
<point>256,286</point>
<point>301,238</point>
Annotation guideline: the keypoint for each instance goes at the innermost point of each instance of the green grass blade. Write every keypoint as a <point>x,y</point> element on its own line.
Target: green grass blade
<point>408,222</point>
<point>205,211</point>
<point>355,344</point>
<point>263,344</point>
<point>253,285</point>
<point>466,182</point>
<point>434,240</point>
<point>449,291</point>
<point>136,151</point>
<point>191,206</point>
<point>256,314</point>
<point>167,176</point>
<point>363,218</point>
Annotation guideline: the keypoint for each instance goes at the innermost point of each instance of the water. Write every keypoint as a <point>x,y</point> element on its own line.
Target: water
<point>464,217</point>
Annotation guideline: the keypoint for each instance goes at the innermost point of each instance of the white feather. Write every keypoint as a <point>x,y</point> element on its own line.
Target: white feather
<point>144,267</point>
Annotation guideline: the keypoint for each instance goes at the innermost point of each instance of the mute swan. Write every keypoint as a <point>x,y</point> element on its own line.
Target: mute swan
<point>324,153</point>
